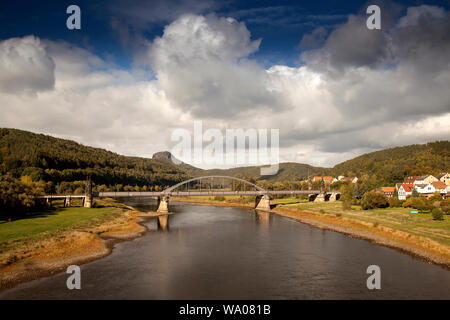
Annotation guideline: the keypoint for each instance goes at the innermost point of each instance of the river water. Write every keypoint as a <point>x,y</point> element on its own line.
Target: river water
<point>232,253</point>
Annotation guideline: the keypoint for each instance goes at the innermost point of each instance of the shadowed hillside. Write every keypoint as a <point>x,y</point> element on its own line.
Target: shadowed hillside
<point>42,157</point>
<point>46,158</point>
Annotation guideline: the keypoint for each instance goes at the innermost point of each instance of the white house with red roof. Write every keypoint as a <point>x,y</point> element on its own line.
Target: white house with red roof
<point>425,189</point>
<point>405,190</point>
<point>440,187</point>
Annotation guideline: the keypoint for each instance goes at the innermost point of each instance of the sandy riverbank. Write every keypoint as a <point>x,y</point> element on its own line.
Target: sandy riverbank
<point>421,247</point>
<point>53,255</point>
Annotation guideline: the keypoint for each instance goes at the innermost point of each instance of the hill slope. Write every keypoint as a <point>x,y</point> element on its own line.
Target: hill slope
<point>51,159</point>
<point>46,158</point>
<point>288,171</point>
<point>392,165</point>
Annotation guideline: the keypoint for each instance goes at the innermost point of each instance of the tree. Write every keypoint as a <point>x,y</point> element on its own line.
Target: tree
<point>437,214</point>
<point>373,199</point>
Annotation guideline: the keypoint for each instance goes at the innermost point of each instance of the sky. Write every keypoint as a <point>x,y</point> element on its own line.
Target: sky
<point>137,71</point>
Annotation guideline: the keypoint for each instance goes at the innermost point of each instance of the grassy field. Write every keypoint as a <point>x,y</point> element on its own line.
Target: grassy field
<point>289,200</point>
<point>60,220</point>
<point>420,224</point>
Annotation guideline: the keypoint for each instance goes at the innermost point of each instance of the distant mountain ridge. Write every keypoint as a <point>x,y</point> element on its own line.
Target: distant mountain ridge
<point>384,167</point>
<point>53,159</point>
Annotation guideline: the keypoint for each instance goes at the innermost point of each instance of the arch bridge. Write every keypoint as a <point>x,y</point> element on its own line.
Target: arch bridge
<point>262,200</point>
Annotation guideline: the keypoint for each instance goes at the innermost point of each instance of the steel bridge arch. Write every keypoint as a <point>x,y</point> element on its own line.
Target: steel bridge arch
<point>170,189</point>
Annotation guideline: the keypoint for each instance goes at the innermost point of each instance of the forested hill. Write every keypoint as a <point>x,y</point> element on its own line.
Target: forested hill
<point>389,166</point>
<point>42,157</point>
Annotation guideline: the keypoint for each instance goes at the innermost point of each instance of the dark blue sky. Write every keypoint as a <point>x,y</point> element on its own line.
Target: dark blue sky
<point>281,24</point>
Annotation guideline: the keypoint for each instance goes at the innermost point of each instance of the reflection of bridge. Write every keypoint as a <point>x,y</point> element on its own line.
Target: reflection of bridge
<point>262,201</point>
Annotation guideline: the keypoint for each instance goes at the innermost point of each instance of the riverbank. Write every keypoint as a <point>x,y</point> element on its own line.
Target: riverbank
<point>417,235</point>
<point>47,243</point>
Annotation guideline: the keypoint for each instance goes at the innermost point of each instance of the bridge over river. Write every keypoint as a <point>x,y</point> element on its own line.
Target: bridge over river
<point>262,200</point>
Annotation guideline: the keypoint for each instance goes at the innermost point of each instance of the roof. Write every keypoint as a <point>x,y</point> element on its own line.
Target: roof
<point>348,178</point>
<point>439,185</point>
<point>387,189</point>
<point>325,178</point>
<point>440,175</point>
<point>410,179</point>
<point>407,187</point>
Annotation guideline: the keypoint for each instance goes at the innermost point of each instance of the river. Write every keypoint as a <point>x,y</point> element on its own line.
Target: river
<point>231,253</point>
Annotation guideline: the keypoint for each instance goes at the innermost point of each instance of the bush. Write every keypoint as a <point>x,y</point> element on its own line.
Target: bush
<point>394,202</point>
<point>424,207</point>
<point>437,214</point>
<point>219,198</point>
<point>415,203</point>
<point>373,199</point>
<point>445,203</point>
<point>347,205</point>
<point>446,209</point>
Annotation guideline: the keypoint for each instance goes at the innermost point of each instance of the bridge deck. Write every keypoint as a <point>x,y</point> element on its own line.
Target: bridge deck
<point>201,193</point>
<point>62,196</point>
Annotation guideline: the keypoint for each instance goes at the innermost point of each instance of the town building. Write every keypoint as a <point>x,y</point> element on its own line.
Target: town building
<point>348,179</point>
<point>405,190</point>
<point>326,179</point>
<point>388,191</point>
<point>440,187</point>
<point>425,179</point>
<point>444,177</point>
<point>410,179</point>
<point>425,189</point>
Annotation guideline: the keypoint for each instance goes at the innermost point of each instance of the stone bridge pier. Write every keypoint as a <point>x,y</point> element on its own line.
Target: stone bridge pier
<point>163,204</point>
<point>262,203</point>
<point>333,197</point>
<point>320,197</point>
<point>67,201</point>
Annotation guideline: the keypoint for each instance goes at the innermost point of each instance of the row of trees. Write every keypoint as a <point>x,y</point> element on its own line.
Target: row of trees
<point>18,197</point>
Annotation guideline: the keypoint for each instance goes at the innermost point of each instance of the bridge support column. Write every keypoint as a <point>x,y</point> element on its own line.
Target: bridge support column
<point>332,197</point>
<point>320,197</point>
<point>88,199</point>
<point>49,202</point>
<point>263,203</point>
<point>163,204</point>
<point>163,222</point>
<point>67,202</point>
